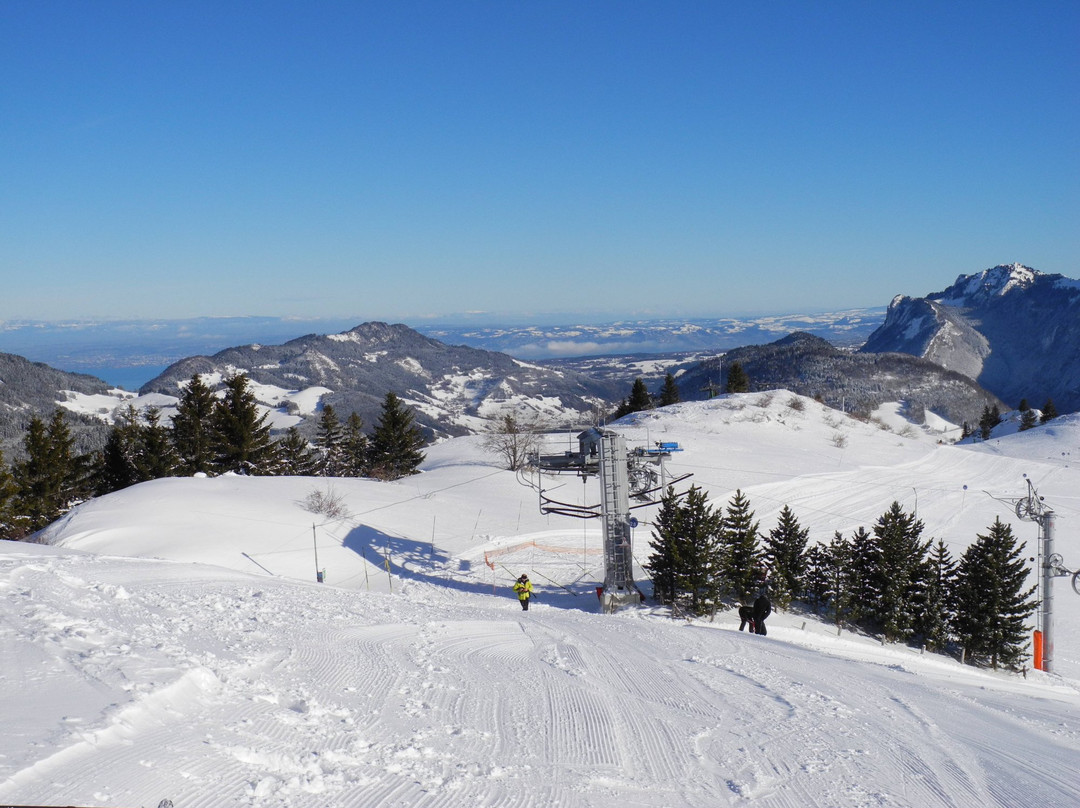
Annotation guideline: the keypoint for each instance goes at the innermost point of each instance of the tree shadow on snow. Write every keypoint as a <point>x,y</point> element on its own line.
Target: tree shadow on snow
<point>413,560</point>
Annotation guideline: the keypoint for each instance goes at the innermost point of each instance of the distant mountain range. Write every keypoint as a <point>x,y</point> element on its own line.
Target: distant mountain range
<point>453,389</point>
<point>116,350</point>
<point>991,338</point>
<point>1013,329</point>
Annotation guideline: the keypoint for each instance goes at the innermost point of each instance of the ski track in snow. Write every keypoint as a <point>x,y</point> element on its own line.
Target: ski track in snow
<point>374,703</point>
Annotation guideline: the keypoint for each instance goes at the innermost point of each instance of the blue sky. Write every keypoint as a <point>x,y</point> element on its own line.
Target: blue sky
<point>409,160</point>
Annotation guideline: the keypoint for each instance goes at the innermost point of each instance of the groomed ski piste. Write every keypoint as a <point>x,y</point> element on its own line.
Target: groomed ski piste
<point>172,640</point>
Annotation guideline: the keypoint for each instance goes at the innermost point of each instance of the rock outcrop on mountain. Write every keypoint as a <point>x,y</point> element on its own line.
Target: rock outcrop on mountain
<point>451,388</point>
<point>854,382</point>
<point>1011,328</point>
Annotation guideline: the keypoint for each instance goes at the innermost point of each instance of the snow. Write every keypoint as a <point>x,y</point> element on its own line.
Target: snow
<point>172,641</point>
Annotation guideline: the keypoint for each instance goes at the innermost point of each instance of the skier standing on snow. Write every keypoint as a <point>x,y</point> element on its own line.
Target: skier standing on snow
<point>746,615</point>
<point>762,609</point>
<point>523,588</point>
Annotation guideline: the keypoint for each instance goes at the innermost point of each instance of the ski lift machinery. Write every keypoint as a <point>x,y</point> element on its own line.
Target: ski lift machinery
<point>602,453</point>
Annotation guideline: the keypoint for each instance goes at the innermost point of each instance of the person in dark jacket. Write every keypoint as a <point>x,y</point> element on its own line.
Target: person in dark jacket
<point>762,609</point>
<point>746,615</point>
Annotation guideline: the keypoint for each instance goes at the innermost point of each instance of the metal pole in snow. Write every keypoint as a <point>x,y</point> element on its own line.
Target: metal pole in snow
<point>1047,525</point>
<point>315,544</point>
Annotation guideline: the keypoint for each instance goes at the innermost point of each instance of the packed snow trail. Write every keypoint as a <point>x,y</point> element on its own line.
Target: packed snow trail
<point>216,688</point>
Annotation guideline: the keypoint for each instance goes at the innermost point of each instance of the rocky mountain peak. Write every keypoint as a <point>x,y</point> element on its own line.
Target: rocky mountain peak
<point>974,290</point>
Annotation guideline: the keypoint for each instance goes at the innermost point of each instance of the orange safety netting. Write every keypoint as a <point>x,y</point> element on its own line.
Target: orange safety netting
<point>547,548</point>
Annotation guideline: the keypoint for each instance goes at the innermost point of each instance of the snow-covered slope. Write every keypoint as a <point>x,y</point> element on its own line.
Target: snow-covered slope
<point>174,642</point>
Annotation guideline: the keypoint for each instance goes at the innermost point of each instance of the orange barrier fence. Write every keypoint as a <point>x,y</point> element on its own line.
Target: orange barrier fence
<point>547,548</point>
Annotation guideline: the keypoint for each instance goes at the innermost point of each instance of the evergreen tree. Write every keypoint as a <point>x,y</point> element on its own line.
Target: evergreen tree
<point>737,380</point>
<point>664,564</point>
<point>992,603</point>
<point>51,478</point>
<point>785,553</point>
<point>669,393</point>
<point>135,452</point>
<point>193,428</point>
<point>396,441</point>
<point>242,441</point>
<point>687,554</point>
<point>638,401</point>
<point>115,468</point>
<point>862,584</point>
<point>991,417</point>
<point>156,457</point>
<point>899,555</point>
<point>8,490</point>
<point>816,579</point>
<point>739,535</point>
<point>355,447</point>
<point>1028,419</point>
<point>297,457</point>
<point>827,580</point>
<point>1049,411</point>
<point>329,442</point>
<point>935,619</point>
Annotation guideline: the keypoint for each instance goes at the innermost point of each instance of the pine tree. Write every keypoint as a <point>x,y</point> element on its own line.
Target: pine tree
<point>329,442</point>
<point>638,401</point>
<point>687,554</point>
<point>828,584</point>
<point>1028,419</point>
<point>664,564</point>
<point>155,458</point>
<point>935,619</point>
<point>862,582</point>
<point>297,457</point>
<point>354,447</point>
<point>115,468</point>
<point>242,441</point>
<point>193,428</point>
<point>1049,411</point>
<point>51,478</point>
<point>991,417</point>
<point>7,501</point>
<point>816,579</point>
<point>785,553</point>
<point>669,393</point>
<point>899,559</point>
<point>396,441</point>
<point>737,380</point>
<point>739,534</point>
<point>992,604</point>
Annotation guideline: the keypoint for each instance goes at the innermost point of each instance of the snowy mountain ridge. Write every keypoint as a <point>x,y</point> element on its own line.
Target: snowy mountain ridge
<point>1010,327</point>
<point>970,290</point>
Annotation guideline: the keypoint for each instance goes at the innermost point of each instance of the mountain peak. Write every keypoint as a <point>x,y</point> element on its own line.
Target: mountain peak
<point>970,290</point>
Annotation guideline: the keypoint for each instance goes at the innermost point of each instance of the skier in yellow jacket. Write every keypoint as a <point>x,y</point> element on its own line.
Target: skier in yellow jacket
<point>523,588</point>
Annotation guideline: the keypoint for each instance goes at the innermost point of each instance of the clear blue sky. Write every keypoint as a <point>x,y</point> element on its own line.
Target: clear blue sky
<point>398,160</point>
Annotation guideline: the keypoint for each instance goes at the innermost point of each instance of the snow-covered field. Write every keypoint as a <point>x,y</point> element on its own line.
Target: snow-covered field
<point>172,641</point>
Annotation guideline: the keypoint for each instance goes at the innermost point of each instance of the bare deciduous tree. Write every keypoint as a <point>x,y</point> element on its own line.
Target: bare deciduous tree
<point>513,437</point>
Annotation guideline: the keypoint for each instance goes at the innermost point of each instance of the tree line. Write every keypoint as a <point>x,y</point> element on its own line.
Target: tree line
<point>209,434</point>
<point>888,580</point>
<point>1029,418</point>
